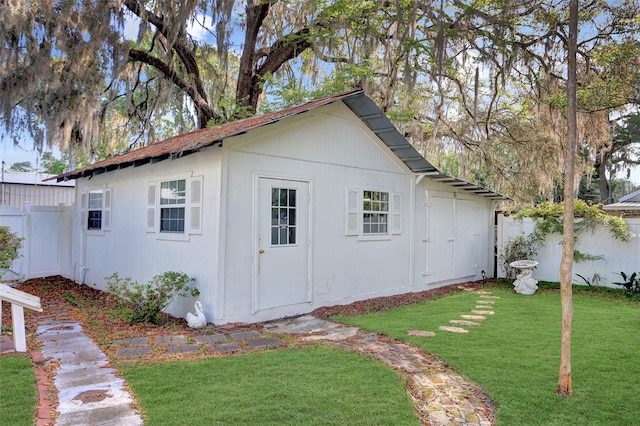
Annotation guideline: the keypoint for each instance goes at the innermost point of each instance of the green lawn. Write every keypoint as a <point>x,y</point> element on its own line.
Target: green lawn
<point>18,394</point>
<point>312,386</point>
<point>515,354</point>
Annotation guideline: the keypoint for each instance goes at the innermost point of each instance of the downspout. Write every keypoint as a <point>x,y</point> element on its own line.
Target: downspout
<point>2,194</point>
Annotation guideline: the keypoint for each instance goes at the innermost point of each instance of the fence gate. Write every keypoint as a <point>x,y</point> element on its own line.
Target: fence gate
<point>46,248</point>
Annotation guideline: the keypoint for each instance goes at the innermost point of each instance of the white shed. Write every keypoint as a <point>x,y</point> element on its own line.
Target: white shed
<point>38,189</point>
<point>628,206</point>
<point>277,215</point>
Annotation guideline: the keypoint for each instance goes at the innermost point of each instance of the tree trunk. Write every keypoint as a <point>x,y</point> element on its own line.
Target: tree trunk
<point>256,12</point>
<point>566,264</point>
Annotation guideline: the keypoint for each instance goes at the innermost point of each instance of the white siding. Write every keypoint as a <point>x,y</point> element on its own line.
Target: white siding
<point>453,235</point>
<point>128,249</point>
<point>334,155</point>
<point>16,195</point>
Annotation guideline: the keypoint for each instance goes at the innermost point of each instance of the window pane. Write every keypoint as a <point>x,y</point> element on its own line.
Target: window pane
<point>283,216</point>
<point>172,219</point>
<point>375,207</point>
<point>94,219</point>
<point>95,200</point>
<point>173,192</point>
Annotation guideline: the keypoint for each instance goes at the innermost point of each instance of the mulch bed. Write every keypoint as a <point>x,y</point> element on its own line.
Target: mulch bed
<point>61,297</point>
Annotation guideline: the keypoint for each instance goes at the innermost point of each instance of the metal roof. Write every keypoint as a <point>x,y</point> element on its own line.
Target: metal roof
<point>29,178</point>
<point>628,202</point>
<point>361,105</point>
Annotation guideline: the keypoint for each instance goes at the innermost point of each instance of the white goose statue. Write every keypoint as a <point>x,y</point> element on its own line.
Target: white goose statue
<point>198,320</point>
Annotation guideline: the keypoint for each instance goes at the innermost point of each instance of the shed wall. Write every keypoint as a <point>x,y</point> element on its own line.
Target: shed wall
<point>331,150</point>
<point>130,250</point>
<point>16,195</point>
<point>453,235</point>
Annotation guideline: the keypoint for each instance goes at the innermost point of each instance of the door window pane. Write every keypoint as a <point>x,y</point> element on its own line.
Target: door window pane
<point>283,216</point>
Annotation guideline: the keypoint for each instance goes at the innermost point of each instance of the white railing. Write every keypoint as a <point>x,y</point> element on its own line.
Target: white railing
<point>19,300</point>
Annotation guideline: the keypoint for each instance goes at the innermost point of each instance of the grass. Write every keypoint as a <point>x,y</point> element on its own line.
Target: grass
<point>18,395</point>
<point>515,354</point>
<point>311,386</point>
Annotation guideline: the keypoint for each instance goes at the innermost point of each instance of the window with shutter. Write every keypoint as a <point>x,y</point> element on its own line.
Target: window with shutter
<point>373,214</point>
<point>95,210</point>
<point>174,208</point>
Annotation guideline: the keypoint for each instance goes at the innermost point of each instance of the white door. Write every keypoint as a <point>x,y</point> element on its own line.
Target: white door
<point>467,245</point>
<point>441,239</point>
<point>283,243</point>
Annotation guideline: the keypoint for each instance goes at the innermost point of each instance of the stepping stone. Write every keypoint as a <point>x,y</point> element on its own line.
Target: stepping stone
<point>483,307</point>
<point>485,302</point>
<point>420,333</point>
<point>225,348</point>
<point>483,292</point>
<point>245,335</point>
<point>171,340</point>
<point>485,296</point>
<point>210,338</point>
<point>479,312</point>
<point>464,322</point>
<point>453,329</point>
<point>184,349</point>
<point>133,341</point>
<point>473,317</point>
<point>134,351</point>
<point>266,342</point>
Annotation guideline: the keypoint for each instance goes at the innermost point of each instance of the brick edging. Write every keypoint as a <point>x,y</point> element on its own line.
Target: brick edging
<point>43,417</point>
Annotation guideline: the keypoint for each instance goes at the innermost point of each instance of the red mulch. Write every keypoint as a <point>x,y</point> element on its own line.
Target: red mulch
<point>60,296</point>
<point>389,302</point>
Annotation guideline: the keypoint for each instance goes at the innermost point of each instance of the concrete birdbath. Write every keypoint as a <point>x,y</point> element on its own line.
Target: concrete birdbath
<point>525,283</point>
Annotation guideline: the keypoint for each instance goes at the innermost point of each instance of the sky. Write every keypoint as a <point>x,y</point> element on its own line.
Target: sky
<point>10,153</point>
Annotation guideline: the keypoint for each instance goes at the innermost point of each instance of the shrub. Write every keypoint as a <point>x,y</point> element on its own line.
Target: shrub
<point>520,247</point>
<point>631,285</point>
<point>10,246</point>
<point>144,302</point>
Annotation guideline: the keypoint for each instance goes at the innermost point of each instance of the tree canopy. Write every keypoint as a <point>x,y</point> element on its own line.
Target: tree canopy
<point>479,87</point>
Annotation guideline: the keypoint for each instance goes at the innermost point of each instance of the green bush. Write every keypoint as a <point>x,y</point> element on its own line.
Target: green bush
<point>520,247</point>
<point>631,285</point>
<point>144,302</point>
<point>9,247</point>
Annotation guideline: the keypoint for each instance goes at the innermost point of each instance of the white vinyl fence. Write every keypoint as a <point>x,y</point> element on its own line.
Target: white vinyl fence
<point>47,233</point>
<point>619,256</point>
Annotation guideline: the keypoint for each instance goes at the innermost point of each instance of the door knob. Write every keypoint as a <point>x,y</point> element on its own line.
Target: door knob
<point>261,251</point>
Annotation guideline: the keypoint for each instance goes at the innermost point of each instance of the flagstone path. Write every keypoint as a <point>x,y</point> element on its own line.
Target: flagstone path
<point>89,391</point>
<point>441,395</point>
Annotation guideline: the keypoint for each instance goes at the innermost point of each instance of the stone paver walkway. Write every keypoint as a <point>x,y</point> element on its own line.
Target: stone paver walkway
<point>441,395</point>
<point>89,392</point>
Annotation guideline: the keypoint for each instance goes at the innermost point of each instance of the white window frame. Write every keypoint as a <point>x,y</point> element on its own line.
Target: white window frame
<point>369,208</point>
<point>104,208</point>
<point>354,222</point>
<point>192,208</point>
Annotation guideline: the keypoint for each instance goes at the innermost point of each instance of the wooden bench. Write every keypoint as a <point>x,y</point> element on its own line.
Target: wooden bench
<point>19,300</point>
